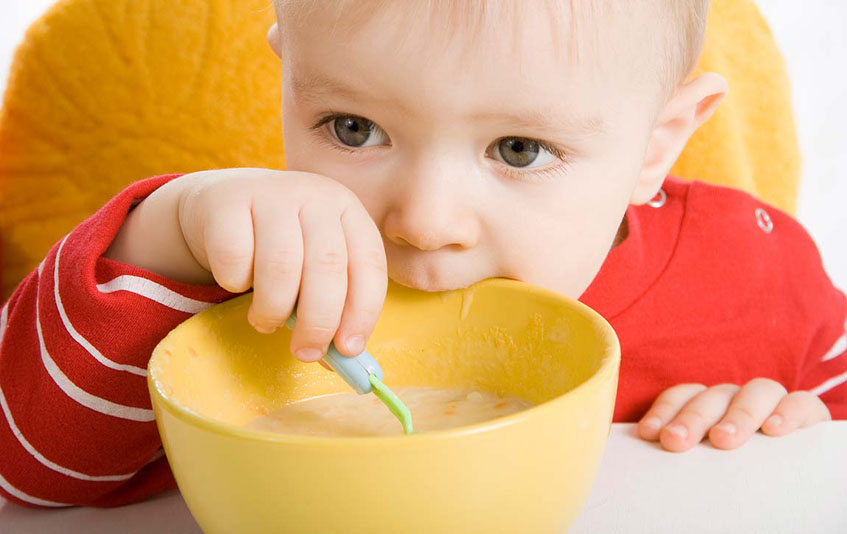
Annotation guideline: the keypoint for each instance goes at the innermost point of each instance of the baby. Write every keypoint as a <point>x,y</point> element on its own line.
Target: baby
<point>439,143</point>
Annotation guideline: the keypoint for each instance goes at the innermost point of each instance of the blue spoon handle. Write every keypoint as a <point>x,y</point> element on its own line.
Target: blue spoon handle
<point>354,370</point>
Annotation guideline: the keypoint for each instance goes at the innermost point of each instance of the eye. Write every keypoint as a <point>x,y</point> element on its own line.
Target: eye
<point>357,132</point>
<point>522,152</point>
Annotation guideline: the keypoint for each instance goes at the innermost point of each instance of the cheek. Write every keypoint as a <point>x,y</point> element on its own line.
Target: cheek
<point>562,251</point>
<point>559,236</point>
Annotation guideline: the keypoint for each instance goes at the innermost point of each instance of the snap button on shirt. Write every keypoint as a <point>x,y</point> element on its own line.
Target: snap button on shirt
<point>659,200</point>
<point>764,220</point>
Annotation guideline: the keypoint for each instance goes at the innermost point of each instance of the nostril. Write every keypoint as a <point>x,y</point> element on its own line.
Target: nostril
<point>426,242</point>
<point>397,240</point>
<point>430,232</point>
<point>429,242</point>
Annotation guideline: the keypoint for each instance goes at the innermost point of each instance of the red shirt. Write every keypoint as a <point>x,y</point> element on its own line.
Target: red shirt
<point>701,290</point>
<point>714,286</point>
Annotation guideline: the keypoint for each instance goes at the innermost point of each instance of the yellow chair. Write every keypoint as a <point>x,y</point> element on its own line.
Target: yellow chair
<point>106,92</point>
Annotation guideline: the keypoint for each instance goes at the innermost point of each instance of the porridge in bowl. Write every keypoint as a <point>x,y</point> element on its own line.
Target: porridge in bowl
<point>352,415</point>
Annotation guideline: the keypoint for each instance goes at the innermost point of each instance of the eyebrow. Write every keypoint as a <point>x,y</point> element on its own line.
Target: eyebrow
<point>312,87</point>
<point>535,119</point>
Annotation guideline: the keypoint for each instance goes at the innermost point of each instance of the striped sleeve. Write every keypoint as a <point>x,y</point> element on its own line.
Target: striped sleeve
<point>823,308</point>
<point>825,372</point>
<point>77,426</point>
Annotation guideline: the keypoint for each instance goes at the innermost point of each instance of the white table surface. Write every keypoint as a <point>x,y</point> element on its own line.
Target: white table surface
<point>794,484</point>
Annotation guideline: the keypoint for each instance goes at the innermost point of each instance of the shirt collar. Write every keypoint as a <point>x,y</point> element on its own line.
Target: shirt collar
<point>632,267</point>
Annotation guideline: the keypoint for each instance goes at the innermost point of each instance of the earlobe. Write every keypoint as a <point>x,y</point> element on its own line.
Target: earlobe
<point>690,106</point>
<point>273,39</point>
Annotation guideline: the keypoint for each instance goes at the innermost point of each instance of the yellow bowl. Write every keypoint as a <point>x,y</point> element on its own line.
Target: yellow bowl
<point>528,472</point>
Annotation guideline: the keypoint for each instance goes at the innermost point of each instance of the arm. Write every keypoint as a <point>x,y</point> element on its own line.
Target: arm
<point>151,236</point>
<point>75,336</point>
<point>794,371</point>
<point>77,333</point>
<point>824,369</point>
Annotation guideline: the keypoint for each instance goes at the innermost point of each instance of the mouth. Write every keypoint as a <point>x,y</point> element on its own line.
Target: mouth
<point>423,281</point>
<point>436,271</point>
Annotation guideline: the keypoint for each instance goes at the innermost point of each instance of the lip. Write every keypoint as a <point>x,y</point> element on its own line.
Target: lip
<point>422,282</point>
<point>434,271</point>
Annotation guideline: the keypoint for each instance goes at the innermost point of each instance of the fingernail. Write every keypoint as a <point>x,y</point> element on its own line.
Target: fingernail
<point>653,422</point>
<point>774,420</point>
<point>308,355</point>
<point>677,430</point>
<point>264,329</point>
<point>728,428</point>
<point>355,344</point>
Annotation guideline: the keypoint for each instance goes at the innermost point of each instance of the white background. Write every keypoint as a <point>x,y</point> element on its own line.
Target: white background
<point>813,37</point>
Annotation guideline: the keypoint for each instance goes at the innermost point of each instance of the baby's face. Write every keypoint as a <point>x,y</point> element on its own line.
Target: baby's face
<point>493,157</point>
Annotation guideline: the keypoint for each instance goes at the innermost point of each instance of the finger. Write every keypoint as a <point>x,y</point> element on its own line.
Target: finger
<point>665,407</point>
<point>690,425</point>
<point>796,410</point>
<point>323,285</point>
<point>367,278</point>
<point>277,266</point>
<point>753,403</point>
<point>228,240</point>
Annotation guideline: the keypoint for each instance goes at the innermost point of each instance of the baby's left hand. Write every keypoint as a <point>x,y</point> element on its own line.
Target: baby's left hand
<point>684,414</point>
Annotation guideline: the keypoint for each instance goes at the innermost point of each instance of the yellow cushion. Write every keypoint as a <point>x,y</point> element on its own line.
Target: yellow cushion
<point>750,142</point>
<point>106,92</point>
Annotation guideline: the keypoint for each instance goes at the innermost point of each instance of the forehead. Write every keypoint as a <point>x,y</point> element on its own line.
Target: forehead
<point>522,55</point>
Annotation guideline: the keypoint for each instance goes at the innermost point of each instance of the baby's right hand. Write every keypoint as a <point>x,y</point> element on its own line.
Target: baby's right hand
<point>285,234</point>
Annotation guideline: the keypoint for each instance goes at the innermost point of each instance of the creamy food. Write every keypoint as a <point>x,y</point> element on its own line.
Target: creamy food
<point>350,414</point>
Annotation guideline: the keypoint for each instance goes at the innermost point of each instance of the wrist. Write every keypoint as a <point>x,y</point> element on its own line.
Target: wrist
<point>151,238</point>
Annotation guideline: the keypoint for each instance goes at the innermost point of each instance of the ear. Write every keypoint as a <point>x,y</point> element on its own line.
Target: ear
<point>273,39</point>
<point>689,107</point>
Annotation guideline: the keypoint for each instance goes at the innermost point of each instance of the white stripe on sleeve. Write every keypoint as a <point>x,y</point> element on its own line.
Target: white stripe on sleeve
<point>837,349</point>
<point>159,453</point>
<point>829,384</point>
<point>48,463</point>
<point>75,392</point>
<point>84,343</point>
<point>155,292</point>
<point>10,489</point>
<point>4,313</point>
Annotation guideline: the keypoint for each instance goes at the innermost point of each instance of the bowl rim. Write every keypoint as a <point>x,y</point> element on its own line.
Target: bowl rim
<point>609,364</point>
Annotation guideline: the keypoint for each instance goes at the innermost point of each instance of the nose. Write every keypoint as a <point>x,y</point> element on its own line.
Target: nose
<point>432,210</point>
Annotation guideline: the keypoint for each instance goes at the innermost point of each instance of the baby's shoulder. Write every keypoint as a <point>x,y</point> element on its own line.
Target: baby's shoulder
<point>739,221</point>
<point>732,233</point>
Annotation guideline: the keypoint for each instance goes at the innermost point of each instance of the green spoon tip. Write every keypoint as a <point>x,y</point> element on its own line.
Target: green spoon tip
<point>400,410</point>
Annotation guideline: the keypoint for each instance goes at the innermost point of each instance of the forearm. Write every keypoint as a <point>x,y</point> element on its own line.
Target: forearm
<point>151,237</point>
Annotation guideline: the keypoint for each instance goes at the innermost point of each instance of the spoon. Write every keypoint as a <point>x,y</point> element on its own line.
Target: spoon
<point>364,375</point>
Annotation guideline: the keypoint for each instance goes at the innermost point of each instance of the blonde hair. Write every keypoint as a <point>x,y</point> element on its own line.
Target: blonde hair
<point>682,46</point>
<point>677,34</point>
